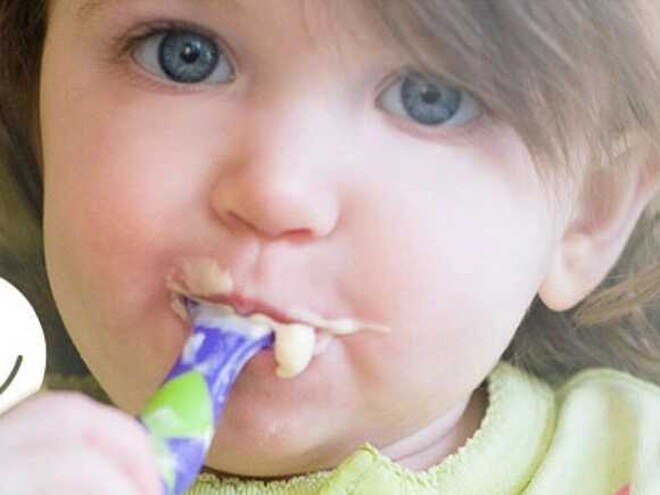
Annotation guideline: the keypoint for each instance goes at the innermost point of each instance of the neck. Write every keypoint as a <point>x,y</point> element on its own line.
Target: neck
<point>441,438</point>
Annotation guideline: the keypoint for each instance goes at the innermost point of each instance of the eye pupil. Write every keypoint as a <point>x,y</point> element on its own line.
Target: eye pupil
<point>187,57</point>
<point>428,103</point>
<point>190,52</point>
<point>430,95</point>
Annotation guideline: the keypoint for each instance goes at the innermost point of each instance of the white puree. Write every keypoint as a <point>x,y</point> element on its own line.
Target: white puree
<point>295,344</point>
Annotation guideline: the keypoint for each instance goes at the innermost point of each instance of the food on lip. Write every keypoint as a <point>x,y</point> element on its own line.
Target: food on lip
<point>340,326</point>
<point>294,349</point>
<point>205,277</point>
<point>295,341</point>
<point>178,307</point>
<point>197,276</point>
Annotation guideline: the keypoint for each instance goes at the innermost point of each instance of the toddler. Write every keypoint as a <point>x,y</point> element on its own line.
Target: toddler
<point>474,176</point>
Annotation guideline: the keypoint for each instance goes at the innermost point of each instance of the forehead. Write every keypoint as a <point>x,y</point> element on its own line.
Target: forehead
<point>348,28</point>
<point>87,10</point>
<point>339,18</point>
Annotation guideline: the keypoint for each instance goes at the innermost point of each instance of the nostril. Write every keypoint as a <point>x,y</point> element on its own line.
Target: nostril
<point>236,223</point>
<point>297,234</point>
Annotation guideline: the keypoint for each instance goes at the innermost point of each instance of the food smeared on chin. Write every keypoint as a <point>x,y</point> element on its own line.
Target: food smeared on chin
<point>299,334</point>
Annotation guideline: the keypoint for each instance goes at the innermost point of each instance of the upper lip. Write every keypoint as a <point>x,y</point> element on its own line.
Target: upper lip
<point>246,306</point>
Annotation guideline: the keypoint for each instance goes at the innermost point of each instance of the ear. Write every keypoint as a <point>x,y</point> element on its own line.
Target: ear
<point>605,214</point>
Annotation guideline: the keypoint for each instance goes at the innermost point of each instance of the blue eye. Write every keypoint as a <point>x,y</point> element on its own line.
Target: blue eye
<point>183,57</point>
<point>428,103</point>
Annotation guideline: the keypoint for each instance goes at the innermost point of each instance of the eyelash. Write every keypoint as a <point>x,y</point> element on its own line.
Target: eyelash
<point>121,48</point>
<point>459,134</point>
<point>123,45</point>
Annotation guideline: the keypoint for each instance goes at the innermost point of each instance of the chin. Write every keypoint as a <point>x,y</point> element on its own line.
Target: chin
<point>272,458</point>
<point>279,440</point>
<point>275,427</point>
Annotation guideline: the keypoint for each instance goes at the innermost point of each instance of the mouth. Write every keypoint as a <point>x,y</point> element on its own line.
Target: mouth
<point>201,289</point>
<point>204,281</point>
<point>259,312</point>
<point>242,306</point>
<point>294,343</point>
<point>260,315</point>
<point>260,319</point>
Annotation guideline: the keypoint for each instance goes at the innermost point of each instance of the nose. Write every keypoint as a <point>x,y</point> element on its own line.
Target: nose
<point>279,182</point>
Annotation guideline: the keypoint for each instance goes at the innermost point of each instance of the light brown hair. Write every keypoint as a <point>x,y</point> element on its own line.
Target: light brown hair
<point>558,72</point>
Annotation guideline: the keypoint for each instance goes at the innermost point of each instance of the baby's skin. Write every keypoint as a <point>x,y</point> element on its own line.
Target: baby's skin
<point>67,443</point>
<point>316,167</point>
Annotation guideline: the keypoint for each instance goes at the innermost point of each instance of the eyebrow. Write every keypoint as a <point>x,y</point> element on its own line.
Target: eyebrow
<point>92,8</point>
<point>89,8</point>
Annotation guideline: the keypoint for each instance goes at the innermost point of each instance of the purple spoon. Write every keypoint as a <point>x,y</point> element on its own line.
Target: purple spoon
<point>182,415</point>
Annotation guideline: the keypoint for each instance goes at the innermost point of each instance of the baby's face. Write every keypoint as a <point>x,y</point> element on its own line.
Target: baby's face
<point>292,147</point>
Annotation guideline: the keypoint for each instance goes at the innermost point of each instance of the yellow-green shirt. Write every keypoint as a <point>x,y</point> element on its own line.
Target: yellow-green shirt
<point>597,434</point>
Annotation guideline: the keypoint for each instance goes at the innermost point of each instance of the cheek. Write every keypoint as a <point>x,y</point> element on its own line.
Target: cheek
<point>451,275</point>
<point>113,217</point>
<point>101,210</point>
<point>117,207</point>
<point>119,175</point>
